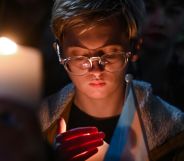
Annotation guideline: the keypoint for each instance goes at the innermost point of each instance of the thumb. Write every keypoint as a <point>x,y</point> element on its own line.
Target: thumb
<point>61,126</point>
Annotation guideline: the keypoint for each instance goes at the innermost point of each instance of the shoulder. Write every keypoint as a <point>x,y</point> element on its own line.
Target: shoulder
<point>154,104</point>
<point>52,106</point>
<point>161,119</point>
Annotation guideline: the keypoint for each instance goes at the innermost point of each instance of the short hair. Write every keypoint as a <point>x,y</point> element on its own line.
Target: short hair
<point>71,13</point>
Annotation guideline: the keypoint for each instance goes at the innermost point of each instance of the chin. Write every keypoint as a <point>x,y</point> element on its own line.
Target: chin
<point>98,94</point>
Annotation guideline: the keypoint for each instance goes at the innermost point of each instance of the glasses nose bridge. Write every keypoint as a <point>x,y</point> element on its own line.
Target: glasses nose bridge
<point>95,58</point>
<point>97,63</point>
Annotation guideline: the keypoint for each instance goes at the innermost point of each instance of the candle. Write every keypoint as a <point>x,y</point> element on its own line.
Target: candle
<point>7,47</point>
<point>20,72</point>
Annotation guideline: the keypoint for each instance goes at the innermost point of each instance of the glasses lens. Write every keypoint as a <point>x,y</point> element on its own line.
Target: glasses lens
<point>114,61</point>
<point>78,65</point>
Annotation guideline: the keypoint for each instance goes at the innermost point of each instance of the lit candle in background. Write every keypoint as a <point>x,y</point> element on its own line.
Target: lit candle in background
<point>20,72</point>
<point>7,47</point>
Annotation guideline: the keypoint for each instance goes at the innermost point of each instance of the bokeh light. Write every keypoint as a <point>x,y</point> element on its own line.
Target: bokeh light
<point>7,46</point>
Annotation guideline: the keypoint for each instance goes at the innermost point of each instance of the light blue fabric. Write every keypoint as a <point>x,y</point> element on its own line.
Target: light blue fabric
<point>120,136</point>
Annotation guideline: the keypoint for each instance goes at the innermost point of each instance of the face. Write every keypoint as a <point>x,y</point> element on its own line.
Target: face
<point>106,37</point>
<point>162,23</point>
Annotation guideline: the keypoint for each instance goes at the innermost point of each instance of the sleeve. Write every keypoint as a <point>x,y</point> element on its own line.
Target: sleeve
<point>171,150</point>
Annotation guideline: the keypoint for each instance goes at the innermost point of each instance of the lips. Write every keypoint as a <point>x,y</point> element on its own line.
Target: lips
<point>97,84</point>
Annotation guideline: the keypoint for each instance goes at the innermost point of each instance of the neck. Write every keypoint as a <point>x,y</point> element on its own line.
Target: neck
<point>101,108</point>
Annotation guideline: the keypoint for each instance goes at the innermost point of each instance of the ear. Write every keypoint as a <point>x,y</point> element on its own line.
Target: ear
<point>54,45</point>
<point>136,47</point>
<point>134,57</point>
<point>138,44</point>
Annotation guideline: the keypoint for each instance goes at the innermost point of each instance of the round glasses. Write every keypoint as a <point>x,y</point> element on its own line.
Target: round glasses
<point>80,65</point>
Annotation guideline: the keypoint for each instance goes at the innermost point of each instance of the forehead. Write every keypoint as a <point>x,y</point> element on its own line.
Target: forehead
<point>94,35</point>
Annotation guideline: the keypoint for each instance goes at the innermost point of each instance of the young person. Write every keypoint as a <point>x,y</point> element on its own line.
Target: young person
<point>95,43</point>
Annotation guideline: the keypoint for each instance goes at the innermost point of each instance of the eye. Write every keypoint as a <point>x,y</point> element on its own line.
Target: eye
<point>112,58</point>
<point>79,62</point>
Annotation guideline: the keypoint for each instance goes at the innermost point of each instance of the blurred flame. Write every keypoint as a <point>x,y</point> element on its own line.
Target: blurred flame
<point>7,46</point>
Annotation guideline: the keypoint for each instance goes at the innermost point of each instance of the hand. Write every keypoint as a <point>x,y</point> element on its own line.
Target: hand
<point>78,144</point>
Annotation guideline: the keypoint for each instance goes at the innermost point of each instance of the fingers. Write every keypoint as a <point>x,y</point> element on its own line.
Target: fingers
<point>79,143</point>
<point>82,140</point>
<point>73,133</point>
<point>86,147</point>
<point>81,150</point>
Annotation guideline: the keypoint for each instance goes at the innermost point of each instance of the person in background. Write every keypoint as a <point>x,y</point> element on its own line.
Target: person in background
<point>96,41</point>
<point>162,26</point>
<point>177,71</point>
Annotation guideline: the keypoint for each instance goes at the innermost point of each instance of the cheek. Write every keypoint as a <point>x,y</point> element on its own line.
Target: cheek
<point>118,78</point>
<point>78,81</point>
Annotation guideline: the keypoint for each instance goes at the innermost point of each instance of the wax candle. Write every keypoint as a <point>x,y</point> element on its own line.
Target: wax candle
<point>20,72</point>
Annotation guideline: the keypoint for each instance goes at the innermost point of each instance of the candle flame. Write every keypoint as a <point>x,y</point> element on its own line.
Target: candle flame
<point>7,46</point>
